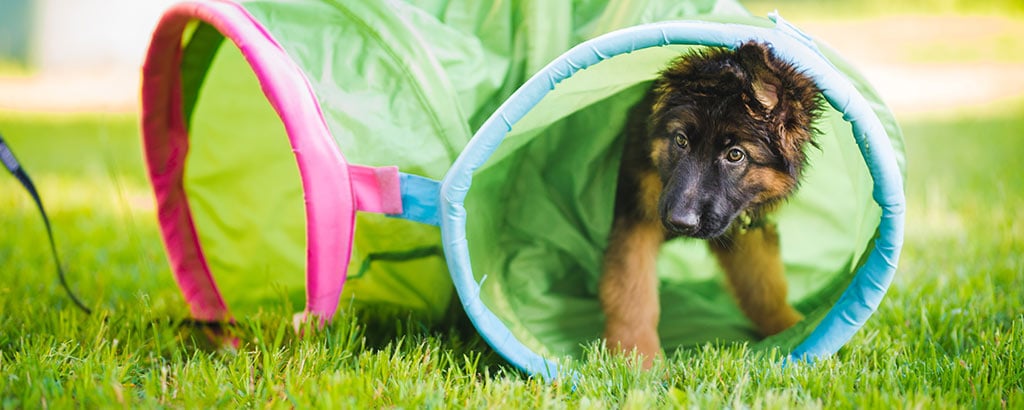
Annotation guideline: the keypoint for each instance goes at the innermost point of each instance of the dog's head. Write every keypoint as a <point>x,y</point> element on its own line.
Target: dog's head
<point>728,130</point>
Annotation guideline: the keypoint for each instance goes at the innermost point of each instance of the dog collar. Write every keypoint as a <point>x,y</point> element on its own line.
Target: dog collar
<point>747,222</point>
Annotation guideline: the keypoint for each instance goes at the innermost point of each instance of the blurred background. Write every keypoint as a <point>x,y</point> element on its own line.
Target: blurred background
<point>84,55</point>
<point>78,55</point>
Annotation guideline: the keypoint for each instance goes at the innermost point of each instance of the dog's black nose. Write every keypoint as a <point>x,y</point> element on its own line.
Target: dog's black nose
<point>685,222</point>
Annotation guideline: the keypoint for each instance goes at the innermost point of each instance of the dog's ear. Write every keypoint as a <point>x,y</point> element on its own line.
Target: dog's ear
<point>784,97</point>
<point>765,81</point>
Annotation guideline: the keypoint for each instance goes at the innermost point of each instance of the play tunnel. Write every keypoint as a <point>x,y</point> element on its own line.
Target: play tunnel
<point>393,155</point>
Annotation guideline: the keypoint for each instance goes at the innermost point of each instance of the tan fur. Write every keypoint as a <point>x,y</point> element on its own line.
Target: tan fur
<point>766,94</point>
<point>657,152</point>
<point>650,191</point>
<point>629,290</point>
<point>753,265</point>
<point>772,184</point>
<point>712,102</point>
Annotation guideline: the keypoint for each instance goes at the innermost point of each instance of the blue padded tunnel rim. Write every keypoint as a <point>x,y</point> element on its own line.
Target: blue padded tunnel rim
<point>856,304</point>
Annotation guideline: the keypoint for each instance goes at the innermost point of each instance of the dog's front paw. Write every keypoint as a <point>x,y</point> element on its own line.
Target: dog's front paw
<point>626,338</point>
<point>781,320</point>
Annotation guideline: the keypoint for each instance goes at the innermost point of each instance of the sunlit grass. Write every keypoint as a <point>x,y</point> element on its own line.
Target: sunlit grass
<point>9,68</point>
<point>843,9</point>
<point>1002,44</point>
<point>917,35</point>
<point>950,333</point>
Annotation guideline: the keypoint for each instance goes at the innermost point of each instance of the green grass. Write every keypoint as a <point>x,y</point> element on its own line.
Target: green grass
<point>949,334</point>
<point>845,9</point>
<point>11,68</point>
<point>915,32</point>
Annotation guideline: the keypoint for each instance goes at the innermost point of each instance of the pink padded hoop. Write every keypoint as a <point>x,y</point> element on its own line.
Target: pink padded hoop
<point>334,191</point>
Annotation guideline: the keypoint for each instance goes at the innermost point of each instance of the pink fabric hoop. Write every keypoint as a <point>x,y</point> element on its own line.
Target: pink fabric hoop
<point>331,195</point>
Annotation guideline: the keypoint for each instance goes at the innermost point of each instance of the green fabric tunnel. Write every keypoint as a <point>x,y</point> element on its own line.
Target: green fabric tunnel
<point>254,113</point>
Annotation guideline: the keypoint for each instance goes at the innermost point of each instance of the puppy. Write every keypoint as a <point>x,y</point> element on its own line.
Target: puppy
<point>717,143</point>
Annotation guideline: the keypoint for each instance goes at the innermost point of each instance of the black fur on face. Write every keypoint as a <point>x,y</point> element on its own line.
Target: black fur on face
<point>727,133</point>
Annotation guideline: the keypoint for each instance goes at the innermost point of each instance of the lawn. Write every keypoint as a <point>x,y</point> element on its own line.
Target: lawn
<point>949,334</point>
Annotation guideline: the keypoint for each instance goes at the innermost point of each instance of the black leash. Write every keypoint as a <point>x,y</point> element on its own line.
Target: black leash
<point>12,164</point>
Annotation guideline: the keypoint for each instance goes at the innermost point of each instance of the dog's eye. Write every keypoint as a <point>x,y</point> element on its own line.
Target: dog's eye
<point>681,140</point>
<point>735,155</point>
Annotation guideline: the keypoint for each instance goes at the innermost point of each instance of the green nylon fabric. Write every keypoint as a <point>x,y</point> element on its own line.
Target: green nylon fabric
<point>243,187</point>
<point>406,83</point>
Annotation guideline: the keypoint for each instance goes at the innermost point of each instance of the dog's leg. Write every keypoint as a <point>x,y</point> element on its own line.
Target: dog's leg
<point>753,265</point>
<point>629,288</point>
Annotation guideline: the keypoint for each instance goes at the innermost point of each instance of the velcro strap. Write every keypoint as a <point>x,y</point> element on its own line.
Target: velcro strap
<point>420,198</point>
<point>384,190</point>
<point>376,189</point>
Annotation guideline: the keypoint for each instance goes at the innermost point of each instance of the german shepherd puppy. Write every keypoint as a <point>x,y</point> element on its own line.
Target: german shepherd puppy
<point>717,143</point>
